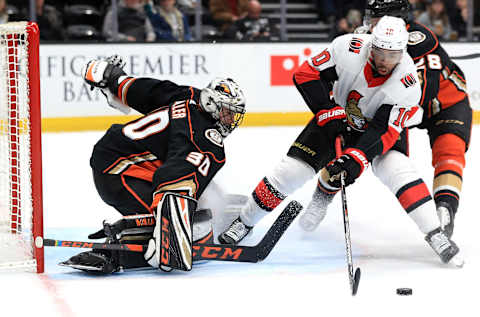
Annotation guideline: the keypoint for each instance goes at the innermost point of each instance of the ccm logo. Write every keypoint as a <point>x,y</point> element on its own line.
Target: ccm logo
<point>209,252</point>
<point>360,157</point>
<point>165,258</point>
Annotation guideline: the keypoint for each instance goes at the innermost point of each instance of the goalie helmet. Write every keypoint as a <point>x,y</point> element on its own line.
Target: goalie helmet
<point>380,8</point>
<point>225,102</point>
<point>390,33</point>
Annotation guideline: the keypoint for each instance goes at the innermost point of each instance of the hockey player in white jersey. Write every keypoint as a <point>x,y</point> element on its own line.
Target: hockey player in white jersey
<point>376,93</point>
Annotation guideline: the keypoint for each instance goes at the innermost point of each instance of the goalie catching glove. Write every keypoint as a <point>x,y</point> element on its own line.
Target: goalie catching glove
<point>103,74</point>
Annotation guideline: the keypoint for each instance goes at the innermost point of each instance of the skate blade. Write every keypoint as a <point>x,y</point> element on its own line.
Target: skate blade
<point>457,261</point>
<point>80,267</point>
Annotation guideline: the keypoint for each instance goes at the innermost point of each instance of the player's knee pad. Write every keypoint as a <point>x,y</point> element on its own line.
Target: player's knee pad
<point>290,174</point>
<point>394,169</point>
<point>171,246</point>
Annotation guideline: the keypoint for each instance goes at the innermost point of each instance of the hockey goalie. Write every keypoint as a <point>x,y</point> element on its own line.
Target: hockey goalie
<point>157,170</point>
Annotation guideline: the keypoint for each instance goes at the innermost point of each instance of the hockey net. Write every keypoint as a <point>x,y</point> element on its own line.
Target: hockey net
<point>21,220</point>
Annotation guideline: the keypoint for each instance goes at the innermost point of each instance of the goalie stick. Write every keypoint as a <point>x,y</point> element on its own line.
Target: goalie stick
<point>353,278</point>
<point>215,252</point>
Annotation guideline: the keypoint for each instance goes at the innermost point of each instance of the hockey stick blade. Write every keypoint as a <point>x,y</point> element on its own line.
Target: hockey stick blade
<point>214,252</point>
<point>356,281</point>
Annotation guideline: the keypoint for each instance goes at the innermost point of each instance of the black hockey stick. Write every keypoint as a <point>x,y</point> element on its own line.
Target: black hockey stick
<point>215,252</point>
<point>353,278</point>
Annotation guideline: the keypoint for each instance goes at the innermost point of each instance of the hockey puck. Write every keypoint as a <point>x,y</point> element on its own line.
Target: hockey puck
<point>404,291</point>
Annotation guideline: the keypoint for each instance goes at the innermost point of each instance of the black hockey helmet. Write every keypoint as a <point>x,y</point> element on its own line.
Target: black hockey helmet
<point>379,8</point>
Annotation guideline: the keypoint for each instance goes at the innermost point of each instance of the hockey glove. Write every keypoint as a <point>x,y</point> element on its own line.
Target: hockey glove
<point>99,73</point>
<point>353,162</point>
<point>333,119</point>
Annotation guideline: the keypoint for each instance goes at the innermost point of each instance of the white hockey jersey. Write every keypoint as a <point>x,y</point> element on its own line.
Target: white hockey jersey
<point>361,93</point>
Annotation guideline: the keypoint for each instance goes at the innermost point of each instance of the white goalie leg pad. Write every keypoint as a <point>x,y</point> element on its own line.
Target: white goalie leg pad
<point>396,171</point>
<point>287,176</point>
<point>173,234</point>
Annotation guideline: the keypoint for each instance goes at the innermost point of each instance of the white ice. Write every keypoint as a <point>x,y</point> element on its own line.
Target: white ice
<point>306,273</point>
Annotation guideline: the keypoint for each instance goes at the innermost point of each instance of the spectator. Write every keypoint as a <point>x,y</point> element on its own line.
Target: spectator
<point>459,18</point>
<point>418,7</point>
<point>327,10</point>
<point>49,20</point>
<point>347,24</point>
<point>252,27</point>
<point>226,12</point>
<point>436,19</point>
<point>3,12</point>
<point>168,22</point>
<point>133,26</point>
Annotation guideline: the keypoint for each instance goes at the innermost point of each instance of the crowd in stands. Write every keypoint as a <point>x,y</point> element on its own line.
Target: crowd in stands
<point>234,20</point>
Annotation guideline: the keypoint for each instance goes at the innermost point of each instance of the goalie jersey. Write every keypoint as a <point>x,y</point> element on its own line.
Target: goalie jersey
<point>174,145</point>
<point>378,106</point>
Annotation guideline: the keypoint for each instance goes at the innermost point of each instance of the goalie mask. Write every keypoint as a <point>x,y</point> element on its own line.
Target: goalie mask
<point>224,101</point>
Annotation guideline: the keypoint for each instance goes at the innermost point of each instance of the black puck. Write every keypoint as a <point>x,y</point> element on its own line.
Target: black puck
<point>404,291</point>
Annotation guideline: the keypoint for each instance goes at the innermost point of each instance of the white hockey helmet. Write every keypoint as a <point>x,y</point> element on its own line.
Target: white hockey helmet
<point>225,102</point>
<point>390,33</point>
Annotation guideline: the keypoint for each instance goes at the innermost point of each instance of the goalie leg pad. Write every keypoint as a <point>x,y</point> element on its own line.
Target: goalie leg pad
<point>173,232</point>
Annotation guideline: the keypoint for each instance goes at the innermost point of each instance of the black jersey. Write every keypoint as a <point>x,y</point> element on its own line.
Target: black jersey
<point>443,82</point>
<point>174,141</point>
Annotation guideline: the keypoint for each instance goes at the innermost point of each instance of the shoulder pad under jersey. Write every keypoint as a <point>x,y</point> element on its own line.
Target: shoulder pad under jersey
<point>421,40</point>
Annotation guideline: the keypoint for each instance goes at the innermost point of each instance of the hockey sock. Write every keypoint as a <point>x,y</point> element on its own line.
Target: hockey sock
<point>448,159</point>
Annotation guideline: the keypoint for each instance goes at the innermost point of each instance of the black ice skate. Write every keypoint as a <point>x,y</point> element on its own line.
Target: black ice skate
<point>447,217</point>
<point>235,232</point>
<point>444,247</point>
<point>95,261</point>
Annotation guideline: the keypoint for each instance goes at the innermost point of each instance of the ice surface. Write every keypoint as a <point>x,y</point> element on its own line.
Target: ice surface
<point>306,273</point>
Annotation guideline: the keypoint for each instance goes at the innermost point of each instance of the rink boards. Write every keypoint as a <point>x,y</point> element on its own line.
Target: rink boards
<point>264,71</point>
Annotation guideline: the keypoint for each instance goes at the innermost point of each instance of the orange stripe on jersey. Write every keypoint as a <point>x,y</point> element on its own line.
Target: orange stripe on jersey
<point>123,89</point>
<point>413,196</point>
<point>143,171</point>
<point>306,73</point>
<point>448,93</point>
<point>389,139</point>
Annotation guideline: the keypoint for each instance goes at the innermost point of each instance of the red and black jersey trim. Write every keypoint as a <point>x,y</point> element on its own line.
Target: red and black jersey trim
<point>355,45</point>
<point>408,81</point>
<point>413,195</point>
<point>266,196</point>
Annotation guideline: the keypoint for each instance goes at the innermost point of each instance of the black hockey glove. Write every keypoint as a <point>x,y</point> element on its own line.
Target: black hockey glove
<point>353,162</point>
<point>99,73</point>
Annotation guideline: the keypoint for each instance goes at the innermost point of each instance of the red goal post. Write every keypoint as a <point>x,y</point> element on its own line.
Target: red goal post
<point>21,207</point>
